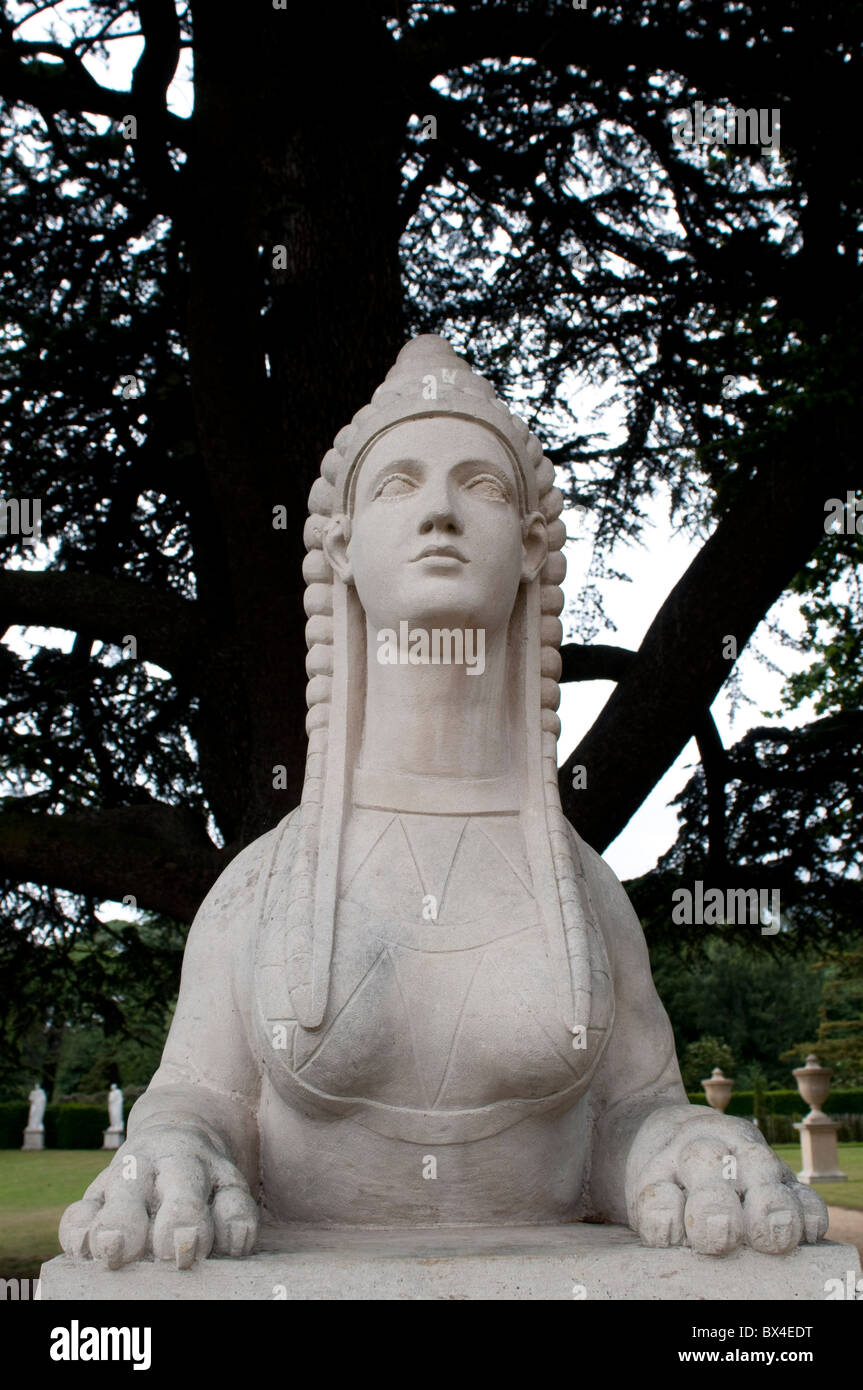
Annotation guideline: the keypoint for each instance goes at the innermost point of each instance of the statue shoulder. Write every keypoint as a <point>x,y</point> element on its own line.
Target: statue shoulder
<point>615,915</point>
<point>236,891</point>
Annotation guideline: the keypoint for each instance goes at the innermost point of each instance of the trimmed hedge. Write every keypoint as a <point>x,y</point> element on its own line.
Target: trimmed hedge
<point>790,1103</point>
<point>13,1118</point>
<point>73,1126</point>
<point>77,1126</point>
<point>66,1126</point>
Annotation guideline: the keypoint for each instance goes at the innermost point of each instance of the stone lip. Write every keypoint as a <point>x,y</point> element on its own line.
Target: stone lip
<point>517,1263</point>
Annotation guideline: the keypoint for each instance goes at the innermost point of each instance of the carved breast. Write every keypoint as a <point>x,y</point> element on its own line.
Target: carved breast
<point>442,1005</point>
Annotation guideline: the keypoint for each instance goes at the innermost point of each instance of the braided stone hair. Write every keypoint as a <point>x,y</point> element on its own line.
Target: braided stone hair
<point>428,379</point>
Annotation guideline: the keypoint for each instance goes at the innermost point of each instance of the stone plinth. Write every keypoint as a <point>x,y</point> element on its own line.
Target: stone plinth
<point>112,1138</point>
<point>560,1263</point>
<point>34,1140</point>
<point>820,1150</point>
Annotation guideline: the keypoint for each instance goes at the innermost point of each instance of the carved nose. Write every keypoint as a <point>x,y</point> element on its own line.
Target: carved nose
<point>441,517</point>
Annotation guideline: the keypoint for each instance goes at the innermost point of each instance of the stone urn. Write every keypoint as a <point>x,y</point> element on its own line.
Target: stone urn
<point>813,1083</point>
<point>718,1089</point>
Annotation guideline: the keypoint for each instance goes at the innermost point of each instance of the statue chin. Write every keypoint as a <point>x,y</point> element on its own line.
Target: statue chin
<point>421,1001</point>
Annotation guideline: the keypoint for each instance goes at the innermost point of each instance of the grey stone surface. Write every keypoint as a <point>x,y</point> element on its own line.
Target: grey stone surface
<point>577,1262</point>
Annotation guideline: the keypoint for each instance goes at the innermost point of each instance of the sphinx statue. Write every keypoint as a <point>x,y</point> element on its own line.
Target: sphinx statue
<point>423,971</point>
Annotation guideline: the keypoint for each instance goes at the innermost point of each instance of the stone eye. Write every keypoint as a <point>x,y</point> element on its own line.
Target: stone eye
<point>488,486</point>
<point>396,485</point>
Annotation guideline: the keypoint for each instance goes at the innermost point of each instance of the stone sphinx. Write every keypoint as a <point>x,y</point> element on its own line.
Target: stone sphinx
<point>421,1000</point>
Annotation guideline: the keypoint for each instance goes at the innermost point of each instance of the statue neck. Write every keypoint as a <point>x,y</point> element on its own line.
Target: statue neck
<point>429,718</point>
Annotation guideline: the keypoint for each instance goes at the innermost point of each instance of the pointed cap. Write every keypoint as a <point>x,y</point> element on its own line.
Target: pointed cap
<point>428,378</point>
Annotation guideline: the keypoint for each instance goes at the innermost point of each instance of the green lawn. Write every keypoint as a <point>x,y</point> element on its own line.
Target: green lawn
<point>35,1190</point>
<point>838,1194</point>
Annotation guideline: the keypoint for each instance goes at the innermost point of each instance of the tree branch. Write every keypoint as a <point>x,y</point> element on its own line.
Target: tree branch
<point>54,89</point>
<point>592,43</point>
<point>714,761</point>
<point>155,68</point>
<point>151,78</point>
<point>606,663</point>
<point>157,853</point>
<point>594,663</point>
<point>169,629</point>
<point>768,533</point>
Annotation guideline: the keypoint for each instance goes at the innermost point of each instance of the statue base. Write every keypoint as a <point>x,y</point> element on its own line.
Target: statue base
<point>576,1261</point>
<point>820,1152</point>
<point>34,1141</point>
<point>112,1138</point>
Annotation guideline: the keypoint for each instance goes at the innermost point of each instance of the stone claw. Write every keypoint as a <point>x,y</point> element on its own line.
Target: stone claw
<point>812,1227</point>
<point>719,1232</point>
<point>237,1231</point>
<point>185,1246</point>
<point>111,1248</point>
<point>77,1244</point>
<point>663,1228</point>
<point>815,1218</point>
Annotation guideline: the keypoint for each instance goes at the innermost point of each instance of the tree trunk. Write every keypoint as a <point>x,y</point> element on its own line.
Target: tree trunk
<point>311,166</point>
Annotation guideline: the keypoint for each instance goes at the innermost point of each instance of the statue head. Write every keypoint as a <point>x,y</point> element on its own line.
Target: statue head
<point>435,462</point>
<point>437,531</point>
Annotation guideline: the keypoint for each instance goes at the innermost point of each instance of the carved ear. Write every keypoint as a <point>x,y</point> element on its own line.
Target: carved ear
<point>534,545</point>
<point>336,543</point>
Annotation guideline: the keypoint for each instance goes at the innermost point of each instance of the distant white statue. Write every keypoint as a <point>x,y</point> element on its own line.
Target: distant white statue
<point>34,1134</point>
<point>38,1100</point>
<point>115,1109</point>
<point>113,1135</point>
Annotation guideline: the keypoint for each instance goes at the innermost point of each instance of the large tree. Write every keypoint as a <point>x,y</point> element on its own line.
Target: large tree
<point>194,306</point>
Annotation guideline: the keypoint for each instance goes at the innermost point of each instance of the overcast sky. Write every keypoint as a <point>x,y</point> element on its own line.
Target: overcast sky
<point>655,568</point>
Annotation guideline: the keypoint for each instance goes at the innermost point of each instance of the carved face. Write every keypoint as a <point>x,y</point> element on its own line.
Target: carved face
<point>437,533</point>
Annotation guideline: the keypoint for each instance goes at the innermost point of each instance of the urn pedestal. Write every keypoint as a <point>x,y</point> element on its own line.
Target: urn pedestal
<point>820,1151</point>
<point>817,1131</point>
